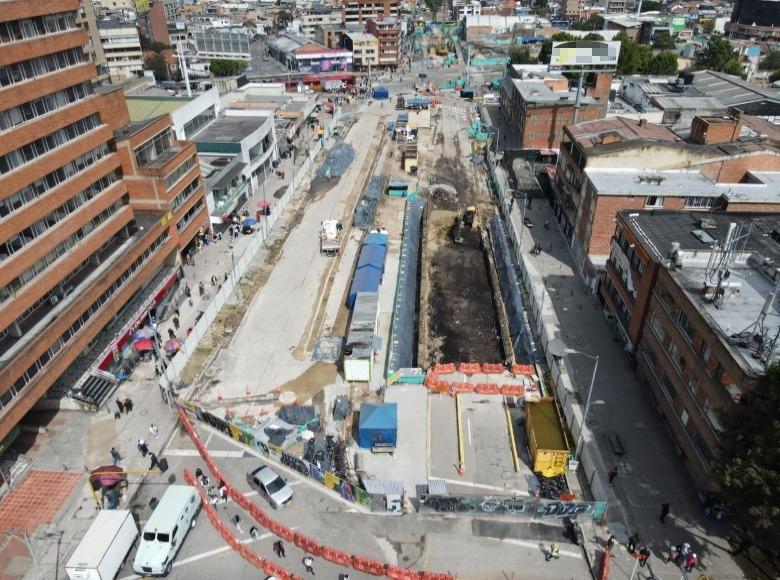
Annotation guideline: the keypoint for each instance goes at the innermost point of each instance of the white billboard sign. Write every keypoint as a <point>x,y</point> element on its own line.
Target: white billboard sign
<point>584,55</point>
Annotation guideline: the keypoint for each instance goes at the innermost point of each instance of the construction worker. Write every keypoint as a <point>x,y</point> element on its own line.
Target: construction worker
<point>555,552</point>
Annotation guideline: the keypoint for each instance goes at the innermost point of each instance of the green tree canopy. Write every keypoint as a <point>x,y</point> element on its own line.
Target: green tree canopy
<point>595,22</point>
<point>748,469</point>
<point>663,63</point>
<point>249,23</point>
<point>521,55</point>
<point>634,58</point>
<point>593,36</point>
<point>719,56</point>
<point>707,25</point>
<point>222,67</point>
<point>663,41</point>
<point>546,51</point>
<point>283,18</point>
<point>651,6</point>
<point>771,61</point>
<point>156,63</point>
<point>149,44</point>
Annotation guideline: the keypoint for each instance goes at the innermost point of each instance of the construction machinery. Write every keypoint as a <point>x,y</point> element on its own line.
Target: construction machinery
<point>330,237</point>
<point>465,218</point>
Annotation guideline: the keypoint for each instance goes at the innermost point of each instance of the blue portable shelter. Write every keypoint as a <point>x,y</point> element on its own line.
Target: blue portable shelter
<point>376,238</point>
<point>381,93</point>
<point>365,280</point>
<point>378,424</point>
<point>372,257</point>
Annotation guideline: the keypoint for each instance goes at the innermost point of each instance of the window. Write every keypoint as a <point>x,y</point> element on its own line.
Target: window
<point>704,352</point>
<point>654,201</point>
<point>684,417</point>
<point>685,326</point>
<point>711,414</point>
<point>185,194</point>
<point>198,122</point>
<point>147,153</point>
<point>35,67</point>
<point>27,111</point>
<point>693,385</point>
<point>25,28</point>
<point>657,327</point>
<point>179,172</point>
<point>700,202</point>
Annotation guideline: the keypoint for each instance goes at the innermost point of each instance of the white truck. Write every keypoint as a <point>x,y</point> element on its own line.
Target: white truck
<point>330,237</point>
<point>104,547</point>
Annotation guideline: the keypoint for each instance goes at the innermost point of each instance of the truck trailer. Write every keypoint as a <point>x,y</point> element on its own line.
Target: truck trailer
<point>104,547</point>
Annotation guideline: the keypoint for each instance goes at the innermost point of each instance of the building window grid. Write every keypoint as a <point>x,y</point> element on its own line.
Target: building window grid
<point>177,174</point>
<point>189,216</point>
<point>43,225</point>
<point>33,191</point>
<point>26,28</point>
<point>71,331</point>
<point>36,67</point>
<point>32,109</point>
<point>12,288</point>
<point>186,194</point>
<point>33,150</point>
<point>151,150</point>
<point>700,202</point>
<point>198,122</point>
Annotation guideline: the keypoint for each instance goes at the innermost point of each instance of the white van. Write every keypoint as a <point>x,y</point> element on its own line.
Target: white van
<point>165,531</point>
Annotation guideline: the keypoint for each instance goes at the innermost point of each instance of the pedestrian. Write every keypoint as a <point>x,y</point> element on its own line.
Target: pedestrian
<point>691,563</point>
<point>279,549</point>
<point>665,508</point>
<point>613,473</point>
<point>237,523</point>
<point>115,457</point>
<point>153,430</point>
<point>201,288</point>
<point>673,551</point>
<point>187,291</point>
<point>142,447</point>
<point>157,371</point>
<point>176,322</point>
<point>632,542</point>
<point>223,493</point>
<point>171,334</point>
<point>644,554</point>
<point>154,462</point>
<point>308,563</point>
<point>198,473</point>
<point>555,552</point>
<point>129,405</point>
<point>213,280</point>
<point>547,224</point>
<point>176,312</point>
<point>611,540</point>
<point>226,276</point>
<point>120,406</point>
<point>253,532</point>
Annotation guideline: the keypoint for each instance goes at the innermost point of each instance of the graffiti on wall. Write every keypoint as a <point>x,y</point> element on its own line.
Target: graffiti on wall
<point>529,507</point>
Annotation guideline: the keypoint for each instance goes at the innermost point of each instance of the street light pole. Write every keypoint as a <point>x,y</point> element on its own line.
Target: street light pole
<point>587,401</point>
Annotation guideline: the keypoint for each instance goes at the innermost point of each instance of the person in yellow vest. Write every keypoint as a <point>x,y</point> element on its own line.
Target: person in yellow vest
<point>555,552</point>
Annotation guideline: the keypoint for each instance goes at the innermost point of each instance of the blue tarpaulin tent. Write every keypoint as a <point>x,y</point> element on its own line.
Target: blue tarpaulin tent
<point>381,93</point>
<point>365,280</point>
<point>376,239</point>
<point>372,256</point>
<point>378,424</point>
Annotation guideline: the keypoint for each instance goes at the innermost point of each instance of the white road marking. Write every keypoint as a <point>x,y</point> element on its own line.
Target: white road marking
<point>209,554</point>
<point>195,453</point>
<point>527,544</point>
<point>483,486</point>
<point>208,439</point>
<point>468,423</point>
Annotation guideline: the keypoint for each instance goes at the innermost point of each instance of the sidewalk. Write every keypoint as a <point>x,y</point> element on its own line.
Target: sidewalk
<point>651,472</point>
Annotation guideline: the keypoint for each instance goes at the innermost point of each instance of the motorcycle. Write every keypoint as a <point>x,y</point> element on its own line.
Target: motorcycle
<point>574,531</point>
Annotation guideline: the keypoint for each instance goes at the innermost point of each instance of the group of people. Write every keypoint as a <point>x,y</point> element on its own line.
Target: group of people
<point>684,556</point>
<point>123,406</point>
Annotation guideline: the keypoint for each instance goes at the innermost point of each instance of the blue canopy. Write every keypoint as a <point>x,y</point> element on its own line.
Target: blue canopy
<point>365,280</point>
<point>376,239</point>
<point>372,257</point>
<point>381,93</point>
<point>378,424</point>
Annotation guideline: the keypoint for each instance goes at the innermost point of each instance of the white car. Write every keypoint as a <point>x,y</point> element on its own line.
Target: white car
<point>267,481</point>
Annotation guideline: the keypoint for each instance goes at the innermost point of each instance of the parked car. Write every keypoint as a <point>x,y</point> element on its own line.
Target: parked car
<point>268,482</point>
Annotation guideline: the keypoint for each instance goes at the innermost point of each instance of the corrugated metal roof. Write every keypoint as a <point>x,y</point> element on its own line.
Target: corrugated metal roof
<point>437,487</point>
<point>378,487</point>
<point>145,108</point>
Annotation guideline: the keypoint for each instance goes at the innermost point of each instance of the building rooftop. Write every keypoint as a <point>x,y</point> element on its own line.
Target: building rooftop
<point>620,129</point>
<point>538,91</point>
<point>229,129</point>
<point>134,127</point>
<point>111,23</point>
<point>361,36</point>
<point>753,271</point>
<point>144,108</point>
<point>731,91</point>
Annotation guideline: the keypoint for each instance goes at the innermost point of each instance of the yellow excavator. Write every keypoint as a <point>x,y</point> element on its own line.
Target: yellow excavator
<point>464,218</point>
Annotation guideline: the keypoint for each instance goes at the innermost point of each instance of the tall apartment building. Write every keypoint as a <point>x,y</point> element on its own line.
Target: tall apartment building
<point>87,19</point>
<point>153,23</point>
<point>388,34</point>
<point>76,245</point>
<point>359,11</point>
<point>318,16</point>
<point>122,47</point>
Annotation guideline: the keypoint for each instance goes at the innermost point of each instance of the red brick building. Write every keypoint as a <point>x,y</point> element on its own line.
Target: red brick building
<point>388,34</point>
<point>360,11</point>
<point>76,241</point>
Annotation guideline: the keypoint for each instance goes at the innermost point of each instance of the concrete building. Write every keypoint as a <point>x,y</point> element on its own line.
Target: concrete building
<point>316,16</point>
<point>539,106</point>
<point>727,163</point>
<point>573,9</point>
<point>153,25</point>
<point>300,54</point>
<point>364,48</point>
<point>360,11</point>
<point>463,8</point>
<point>80,265</point>
<point>755,19</point>
<point>330,35</point>
<point>122,47</point>
<point>702,338</point>
<point>211,44</point>
<point>388,34</point>
<point>172,10</point>
<point>188,114</point>
<point>86,19</point>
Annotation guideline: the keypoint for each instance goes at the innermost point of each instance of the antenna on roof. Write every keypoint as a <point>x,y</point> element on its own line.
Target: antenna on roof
<point>722,258</point>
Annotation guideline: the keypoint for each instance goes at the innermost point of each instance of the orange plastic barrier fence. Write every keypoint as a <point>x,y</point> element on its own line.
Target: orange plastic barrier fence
<point>470,368</point>
<point>493,368</point>
<point>443,369</point>
<point>518,369</point>
<point>513,390</point>
<point>461,388</point>
<point>438,387</point>
<point>487,389</point>
<point>307,544</point>
<point>336,556</point>
<point>369,566</point>
<point>431,377</point>
<point>435,576</point>
<point>281,530</point>
<point>396,573</point>
<point>275,570</point>
<point>605,563</point>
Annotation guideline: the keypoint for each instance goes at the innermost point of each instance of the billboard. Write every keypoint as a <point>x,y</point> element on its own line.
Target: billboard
<point>584,55</point>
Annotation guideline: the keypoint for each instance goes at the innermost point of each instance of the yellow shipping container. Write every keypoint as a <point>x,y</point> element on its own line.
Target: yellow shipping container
<point>546,438</point>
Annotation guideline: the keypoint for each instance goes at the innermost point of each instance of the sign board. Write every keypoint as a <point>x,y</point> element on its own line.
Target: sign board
<point>584,55</point>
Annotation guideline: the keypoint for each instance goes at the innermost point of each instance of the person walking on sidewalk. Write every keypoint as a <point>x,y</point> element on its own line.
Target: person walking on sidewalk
<point>665,508</point>
<point>308,563</point>
<point>115,457</point>
<point>237,523</point>
<point>129,405</point>
<point>176,323</point>
<point>153,430</point>
<point>612,474</point>
<point>279,549</point>
<point>644,554</point>
<point>632,542</point>
<point>120,406</point>
<point>154,462</point>
<point>142,448</point>
<point>555,552</point>
<point>201,288</point>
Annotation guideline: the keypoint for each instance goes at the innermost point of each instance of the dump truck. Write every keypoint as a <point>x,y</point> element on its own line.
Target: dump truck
<point>547,443</point>
<point>330,237</point>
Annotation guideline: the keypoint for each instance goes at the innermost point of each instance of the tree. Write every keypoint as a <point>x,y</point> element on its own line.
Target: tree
<point>707,25</point>
<point>748,469</point>
<point>634,58</point>
<point>771,61</point>
<point>249,23</point>
<point>595,22</point>
<point>222,67</point>
<point>592,36</point>
<point>284,18</point>
<point>775,76</point>
<point>156,63</point>
<point>153,45</point>
<point>663,63</point>
<point>521,55</point>
<point>663,41</point>
<point>434,6</point>
<point>651,6</point>
<point>546,51</point>
<point>719,56</point>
